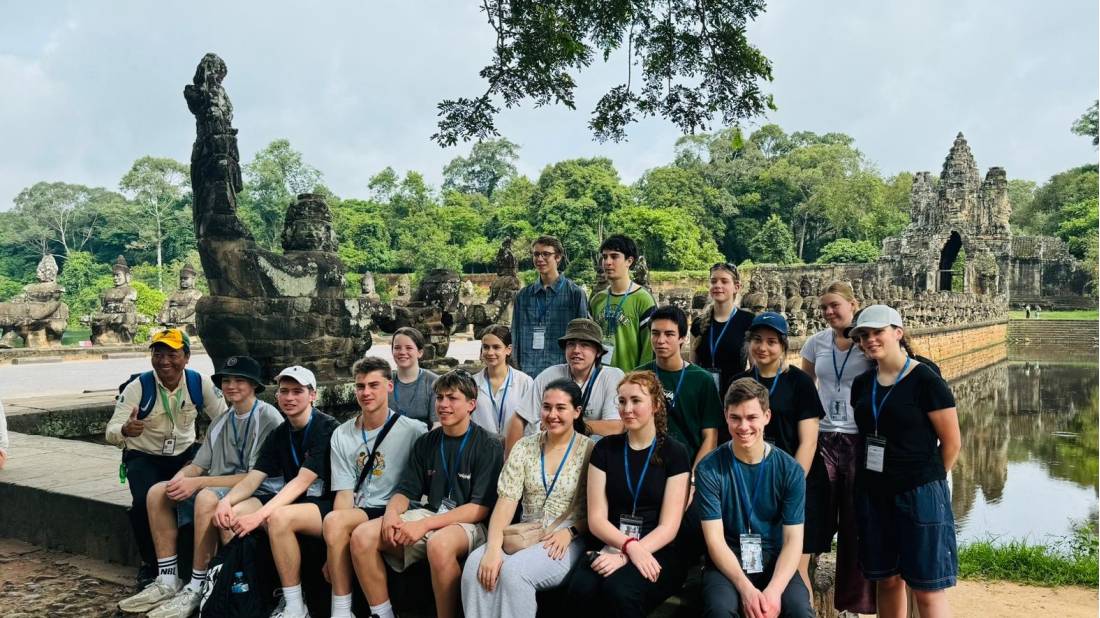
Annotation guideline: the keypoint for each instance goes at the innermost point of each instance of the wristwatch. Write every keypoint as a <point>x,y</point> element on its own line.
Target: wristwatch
<point>573,532</point>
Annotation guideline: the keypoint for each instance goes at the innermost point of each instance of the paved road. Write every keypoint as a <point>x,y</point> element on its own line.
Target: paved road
<point>73,377</point>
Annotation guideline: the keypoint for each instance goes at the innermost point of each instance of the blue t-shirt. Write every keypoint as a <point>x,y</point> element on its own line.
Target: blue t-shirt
<point>779,498</point>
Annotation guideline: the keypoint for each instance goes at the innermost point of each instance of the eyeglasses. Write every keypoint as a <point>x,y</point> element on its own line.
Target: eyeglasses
<point>543,255</point>
<point>724,265</point>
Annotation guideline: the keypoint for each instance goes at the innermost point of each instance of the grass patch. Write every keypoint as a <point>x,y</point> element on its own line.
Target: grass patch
<point>1076,314</point>
<point>1070,561</point>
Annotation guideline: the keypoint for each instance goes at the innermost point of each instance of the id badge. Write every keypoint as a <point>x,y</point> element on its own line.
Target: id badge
<point>169,446</point>
<point>838,411</point>
<point>446,505</point>
<point>876,453</point>
<point>630,526</point>
<point>716,375</point>
<point>752,553</point>
<point>609,345</point>
<point>538,338</point>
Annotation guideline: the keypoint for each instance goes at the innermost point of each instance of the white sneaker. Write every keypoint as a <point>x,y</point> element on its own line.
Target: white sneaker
<point>180,606</point>
<point>282,612</point>
<point>154,594</point>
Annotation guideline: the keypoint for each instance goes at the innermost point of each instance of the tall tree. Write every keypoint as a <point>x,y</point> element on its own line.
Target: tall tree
<point>157,187</point>
<point>773,244</point>
<point>51,215</point>
<point>692,58</point>
<point>491,163</point>
<point>1087,124</point>
<point>272,181</point>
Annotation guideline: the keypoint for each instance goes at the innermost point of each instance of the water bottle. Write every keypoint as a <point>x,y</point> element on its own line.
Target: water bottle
<point>239,584</point>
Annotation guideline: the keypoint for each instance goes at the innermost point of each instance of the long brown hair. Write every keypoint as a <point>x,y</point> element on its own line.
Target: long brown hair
<point>649,383</point>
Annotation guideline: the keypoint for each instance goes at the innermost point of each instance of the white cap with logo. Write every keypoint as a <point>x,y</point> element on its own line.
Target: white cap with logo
<point>875,317</point>
<point>299,374</point>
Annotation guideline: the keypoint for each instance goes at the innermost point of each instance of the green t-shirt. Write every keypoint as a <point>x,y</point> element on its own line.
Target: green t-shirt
<point>625,319</point>
<point>695,408</point>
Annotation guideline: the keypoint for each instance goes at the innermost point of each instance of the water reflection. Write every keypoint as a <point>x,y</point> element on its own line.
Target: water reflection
<point>1029,459</point>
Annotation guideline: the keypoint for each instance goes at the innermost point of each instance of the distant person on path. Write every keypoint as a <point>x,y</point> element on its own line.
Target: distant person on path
<point>154,424</point>
<point>834,360</point>
<point>1027,311</point>
<point>228,452</point>
<point>3,437</point>
<point>1038,312</point>
<point>622,310</point>
<point>504,390</point>
<point>543,310</point>
<point>907,417</point>
<point>412,385</point>
<point>719,334</point>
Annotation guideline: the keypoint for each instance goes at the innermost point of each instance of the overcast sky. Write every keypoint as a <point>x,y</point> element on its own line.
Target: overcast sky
<point>88,87</point>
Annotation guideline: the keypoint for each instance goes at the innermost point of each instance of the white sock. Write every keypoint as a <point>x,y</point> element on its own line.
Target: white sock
<point>293,596</point>
<point>341,606</point>
<point>197,579</point>
<point>384,610</point>
<point>166,570</point>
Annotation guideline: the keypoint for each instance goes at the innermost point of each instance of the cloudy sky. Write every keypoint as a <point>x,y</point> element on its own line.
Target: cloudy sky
<point>88,87</point>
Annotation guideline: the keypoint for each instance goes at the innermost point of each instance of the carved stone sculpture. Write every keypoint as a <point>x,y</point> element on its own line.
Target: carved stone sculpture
<point>506,260</point>
<point>434,310</point>
<point>641,272</point>
<point>281,309</point>
<point>37,315</point>
<point>403,290</point>
<point>502,294</point>
<point>367,288</point>
<point>117,320</point>
<point>179,308</point>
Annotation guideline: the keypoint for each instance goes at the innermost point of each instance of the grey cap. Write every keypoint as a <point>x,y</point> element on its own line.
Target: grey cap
<point>875,316</point>
<point>583,329</point>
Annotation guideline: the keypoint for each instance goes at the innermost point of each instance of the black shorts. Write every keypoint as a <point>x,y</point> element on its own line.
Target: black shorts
<point>817,533</point>
<point>323,504</point>
<point>373,512</point>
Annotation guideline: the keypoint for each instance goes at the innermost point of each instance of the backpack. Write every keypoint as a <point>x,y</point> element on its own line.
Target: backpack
<point>149,390</point>
<point>240,582</point>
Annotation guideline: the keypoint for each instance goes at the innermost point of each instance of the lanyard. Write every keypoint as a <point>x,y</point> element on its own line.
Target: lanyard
<point>876,405</point>
<point>391,419</point>
<point>305,438</point>
<point>714,343</point>
<point>498,411</point>
<point>397,390</point>
<point>457,459</point>
<point>236,437</point>
<point>840,372</point>
<point>167,404</point>
<point>775,383</point>
<point>641,478</point>
<point>589,387</point>
<point>561,465</point>
<point>538,299</point>
<point>608,314</point>
<point>742,488</point>
<point>679,383</point>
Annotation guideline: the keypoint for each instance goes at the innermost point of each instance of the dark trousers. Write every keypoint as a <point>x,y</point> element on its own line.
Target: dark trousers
<point>721,599</point>
<point>142,472</point>
<point>841,453</point>
<point>625,592</point>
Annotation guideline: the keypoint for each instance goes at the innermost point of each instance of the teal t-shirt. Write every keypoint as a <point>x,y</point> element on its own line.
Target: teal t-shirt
<point>694,408</point>
<point>624,319</point>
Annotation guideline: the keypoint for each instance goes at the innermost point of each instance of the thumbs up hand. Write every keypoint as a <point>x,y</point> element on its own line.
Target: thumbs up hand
<point>133,427</point>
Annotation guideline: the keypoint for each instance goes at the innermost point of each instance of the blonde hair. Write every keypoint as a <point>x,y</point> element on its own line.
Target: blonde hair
<point>841,289</point>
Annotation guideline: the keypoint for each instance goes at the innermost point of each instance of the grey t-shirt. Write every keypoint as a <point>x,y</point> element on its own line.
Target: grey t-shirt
<point>603,402</point>
<point>416,399</point>
<point>233,443</point>
<point>820,349</point>
<point>350,452</point>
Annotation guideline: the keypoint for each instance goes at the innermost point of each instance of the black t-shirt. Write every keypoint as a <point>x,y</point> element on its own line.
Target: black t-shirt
<point>607,455</point>
<point>795,399</point>
<point>729,350</point>
<point>474,480</point>
<point>912,446</point>
<point>276,458</point>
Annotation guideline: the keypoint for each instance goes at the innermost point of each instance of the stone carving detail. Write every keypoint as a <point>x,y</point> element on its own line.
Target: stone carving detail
<point>506,260</point>
<point>434,310</point>
<point>641,272</point>
<point>36,315</point>
<point>281,309</point>
<point>179,308</point>
<point>117,320</point>
<point>367,288</point>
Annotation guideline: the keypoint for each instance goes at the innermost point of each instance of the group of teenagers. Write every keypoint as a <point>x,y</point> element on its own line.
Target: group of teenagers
<point>588,456</point>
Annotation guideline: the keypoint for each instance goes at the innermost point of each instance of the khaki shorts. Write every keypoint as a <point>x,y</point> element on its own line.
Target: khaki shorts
<point>411,554</point>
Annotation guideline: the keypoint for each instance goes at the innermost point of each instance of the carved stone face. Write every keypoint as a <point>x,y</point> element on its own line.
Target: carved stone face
<point>120,278</point>
<point>187,282</point>
<point>47,270</point>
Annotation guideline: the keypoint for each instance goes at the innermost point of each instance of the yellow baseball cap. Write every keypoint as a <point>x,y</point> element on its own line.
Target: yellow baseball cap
<point>174,338</point>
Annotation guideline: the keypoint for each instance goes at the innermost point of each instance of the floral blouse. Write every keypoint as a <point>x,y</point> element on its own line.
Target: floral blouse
<point>521,480</point>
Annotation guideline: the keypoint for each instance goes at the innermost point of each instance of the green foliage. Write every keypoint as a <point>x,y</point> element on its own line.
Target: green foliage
<point>844,250</point>
<point>1069,187</point>
<point>491,163</point>
<point>57,216</point>
<point>1071,561</point>
<point>149,299</point>
<point>9,287</point>
<point>160,217</point>
<point>958,272</point>
<point>773,244</point>
<point>1080,222</point>
<point>1087,124</point>
<point>272,181</point>
<point>690,61</point>
<point>1021,194</point>
<point>669,237</point>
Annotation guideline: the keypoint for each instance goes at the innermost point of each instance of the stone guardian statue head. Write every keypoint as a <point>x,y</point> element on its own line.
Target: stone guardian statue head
<point>121,272</point>
<point>47,269</point>
<point>187,277</point>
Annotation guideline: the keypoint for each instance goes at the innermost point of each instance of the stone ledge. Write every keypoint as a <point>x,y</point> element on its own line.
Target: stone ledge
<point>75,353</point>
<point>37,360</point>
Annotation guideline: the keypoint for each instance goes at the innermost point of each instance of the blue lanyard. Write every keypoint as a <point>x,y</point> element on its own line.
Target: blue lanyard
<point>236,437</point>
<point>397,391</point>
<point>626,464</point>
<point>561,465</point>
<point>608,314</point>
<point>498,411</point>
<point>742,488</point>
<point>714,343</point>
<point>390,418</point>
<point>305,439</point>
<point>840,372</point>
<point>775,383</point>
<point>876,405</point>
<point>679,383</point>
<point>538,299</point>
<point>589,387</point>
<point>457,460</point>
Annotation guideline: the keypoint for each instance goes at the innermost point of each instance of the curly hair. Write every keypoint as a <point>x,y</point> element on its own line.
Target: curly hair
<point>651,385</point>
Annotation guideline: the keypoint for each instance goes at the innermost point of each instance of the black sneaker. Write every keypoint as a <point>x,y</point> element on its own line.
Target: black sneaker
<point>146,575</point>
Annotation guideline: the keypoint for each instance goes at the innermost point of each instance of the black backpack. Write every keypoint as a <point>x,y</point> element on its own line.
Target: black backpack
<point>241,581</point>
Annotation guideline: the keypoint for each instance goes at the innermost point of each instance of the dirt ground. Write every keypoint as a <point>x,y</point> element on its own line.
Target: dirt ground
<point>39,582</point>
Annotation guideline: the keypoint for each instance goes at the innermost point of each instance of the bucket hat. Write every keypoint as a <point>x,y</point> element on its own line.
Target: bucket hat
<point>240,367</point>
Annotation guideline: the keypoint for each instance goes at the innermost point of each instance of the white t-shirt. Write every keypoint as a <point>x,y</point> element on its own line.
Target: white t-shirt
<point>349,455</point>
<point>820,349</point>
<point>3,429</point>
<point>603,403</point>
<point>492,414</point>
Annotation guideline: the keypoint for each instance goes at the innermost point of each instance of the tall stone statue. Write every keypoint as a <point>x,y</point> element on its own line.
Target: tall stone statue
<point>281,309</point>
<point>117,319</point>
<point>506,260</point>
<point>179,308</point>
<point>641,272</point>
<point>367,289</point>
<point>37,315</point>
<point>502,292</point>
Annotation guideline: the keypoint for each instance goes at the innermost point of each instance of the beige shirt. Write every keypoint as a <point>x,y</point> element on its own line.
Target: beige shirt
<point>521,480</point>
<point>158,425</point>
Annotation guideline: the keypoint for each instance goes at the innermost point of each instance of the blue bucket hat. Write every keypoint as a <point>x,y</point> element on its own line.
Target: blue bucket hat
<point>772,320</point>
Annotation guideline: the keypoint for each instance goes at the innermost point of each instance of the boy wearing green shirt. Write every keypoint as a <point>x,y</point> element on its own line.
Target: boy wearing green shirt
<point>623,309</point>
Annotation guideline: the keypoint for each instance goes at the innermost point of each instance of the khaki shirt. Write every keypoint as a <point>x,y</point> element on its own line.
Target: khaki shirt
<point>158,426</point>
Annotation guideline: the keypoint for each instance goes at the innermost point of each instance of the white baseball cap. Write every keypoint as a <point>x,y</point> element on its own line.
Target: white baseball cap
<point>875,316</point>
<point>299,374</point>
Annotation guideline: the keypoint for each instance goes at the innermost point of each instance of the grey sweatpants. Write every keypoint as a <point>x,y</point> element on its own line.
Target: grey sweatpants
<point>521,575</point>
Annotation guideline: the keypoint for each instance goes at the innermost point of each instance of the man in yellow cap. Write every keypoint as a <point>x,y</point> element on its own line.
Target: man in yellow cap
<point>154,424</point>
